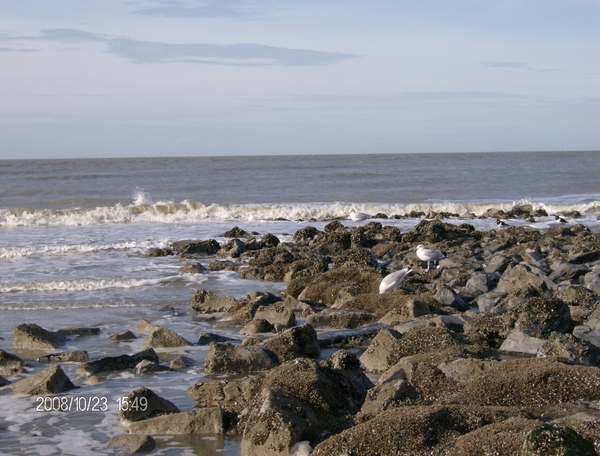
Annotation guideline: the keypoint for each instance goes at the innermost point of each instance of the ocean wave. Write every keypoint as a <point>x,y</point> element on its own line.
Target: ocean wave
<point>96,285</point>
<point>144,210</point>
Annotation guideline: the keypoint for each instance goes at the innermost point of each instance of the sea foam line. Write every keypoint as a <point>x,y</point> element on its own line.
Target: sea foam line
<point>190,212</point>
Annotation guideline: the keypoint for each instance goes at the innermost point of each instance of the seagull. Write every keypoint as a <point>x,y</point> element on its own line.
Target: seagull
<point>392,281</point>
<point>358,216</point>
<point>429,255</point>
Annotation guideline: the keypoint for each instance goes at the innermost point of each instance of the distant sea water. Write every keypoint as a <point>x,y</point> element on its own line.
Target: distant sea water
<point>73,235</point>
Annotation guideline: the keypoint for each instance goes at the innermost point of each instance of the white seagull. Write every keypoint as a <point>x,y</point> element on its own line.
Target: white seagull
<point>392,281</point>
<point>429,255</point>
<point>358,216</point>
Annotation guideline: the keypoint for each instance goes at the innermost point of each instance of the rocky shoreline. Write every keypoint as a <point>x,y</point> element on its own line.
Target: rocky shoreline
<point>495,350</point>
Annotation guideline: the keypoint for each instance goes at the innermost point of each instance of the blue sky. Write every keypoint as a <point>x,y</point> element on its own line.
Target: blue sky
<point>108,78</point>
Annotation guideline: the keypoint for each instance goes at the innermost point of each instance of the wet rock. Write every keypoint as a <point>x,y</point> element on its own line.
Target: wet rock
<point>269,240</point>
<point>305,234</point>
<point>223,265</point>
<point>125,335</point>
<point>146,326</point>
<point>181,362</point>
<point>556,440</point>
<point>149,367</point>
<point>232,249</point>
<point>196,248</point>
<point>257,326</point>
<point>225,358</point>
<point>341,318</point>
<point>205,338</point>
<point>163,337</point>
<point>78,332</point>
<point>235,232</point>
<point>208,302</point>
<point>144,403</point>
<point>115,363</point>
<point>192,268</point>
<point>29,336</point>
<point>71,356</point>
<point>132,444</point>
<point>10,364</point>
<point>276,314</point>
<point>209,420</point>
<point>299,341</point>
<point>51,380</point>
<point>159,252</point>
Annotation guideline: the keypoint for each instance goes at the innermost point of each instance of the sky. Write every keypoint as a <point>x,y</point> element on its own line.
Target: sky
<point>109,78</point>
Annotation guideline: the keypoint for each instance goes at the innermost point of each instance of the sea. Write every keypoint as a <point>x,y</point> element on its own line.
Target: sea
<point>74,236</point>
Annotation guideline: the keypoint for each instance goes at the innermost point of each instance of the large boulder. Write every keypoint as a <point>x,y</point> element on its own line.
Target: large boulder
<point>376,357</point>
<point>337,286</point>
<point>226,358</point>
<point>29,336</point>
<point>276,314</point>
<point>522,280</point>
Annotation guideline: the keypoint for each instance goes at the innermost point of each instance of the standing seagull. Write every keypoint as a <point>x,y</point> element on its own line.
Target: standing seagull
<point>358,216</point>
<point>429,255</point>
<point>392,281</point>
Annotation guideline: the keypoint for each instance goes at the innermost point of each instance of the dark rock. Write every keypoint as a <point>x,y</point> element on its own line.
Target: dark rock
<point>159,252</point>
<point>350,338</point>
<point>235,232</point>
<point>78,332</point>
<point>538,317</point>
<point>269,240</point>
<point>201,248</point>
<point>181,362</point>
<point>232,249</point>
<point>144,403</point>
<point>10,364</point>
<point>205,338</point>
<point>550,439</point>
<point>305,234</point>
<point>71,356</point>
<point>192,268</point>
<point>132,444</point>
<point>115,363</point>
<point>163,337</point>
<point>149,367</point>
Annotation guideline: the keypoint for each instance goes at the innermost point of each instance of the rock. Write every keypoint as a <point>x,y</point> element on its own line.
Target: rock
<point>226,358</point>
<point>269,240</point>
<point>125,335</point>
<point>387,395</point>
<point>209,420</point>
<point>534,382</point>
<point>131,444</point>
<point>279,423</point>
<point>144,403</point>
<point>306,233</point>
<point>78,332</point>
<point>208,302</point>
<point>521,280</point>
<point>232,249</point>
<point>201,248</point>
<point>72,356</point>
<point>149,367</point>
<point>181,362</point>
<point>276,314</point>
<point>497,264</point>
<point>192,268</point>
<point>480,283</point>
<point>146,326</point>
<point>4,382</point>
<point>205,338</point>
<point>29,336</point>
<point>159,252</point>
<point>232,394</point>
<point>519,342</point>
<point>257,326</point>
<point>114,363</point>
<point>341,318</point>
<point>416,430</point>
<point>299,341</point>
<point>538,317</point>
<point>163,337</point>
<point>566,271</point>
<point>561,441</point>
<point>358,258</point>
<point>447,297</point>
<point>487,301</point>
<point>570,349</point>
<point>408,310</point>
<point>465,370</point>
<point>376,356</point>
<point>51,380</point>
<point>358,337</point>
<point>584,332</point>
<point>10,364</point>
<point>235,232</point>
